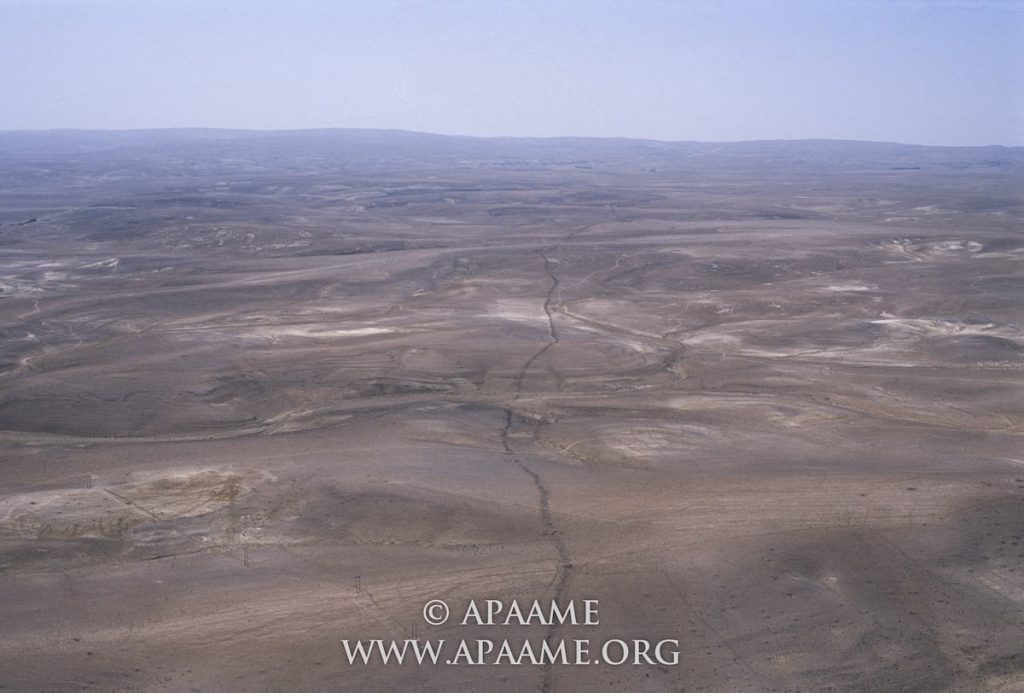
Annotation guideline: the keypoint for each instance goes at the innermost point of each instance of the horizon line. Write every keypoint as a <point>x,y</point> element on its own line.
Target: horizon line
<point>493,137</point>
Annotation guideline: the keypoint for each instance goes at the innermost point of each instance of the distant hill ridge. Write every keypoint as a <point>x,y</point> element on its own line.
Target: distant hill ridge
<point>389,148</point>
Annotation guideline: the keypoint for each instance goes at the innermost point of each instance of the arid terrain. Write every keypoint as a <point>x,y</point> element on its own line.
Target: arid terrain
<point>262,392</point>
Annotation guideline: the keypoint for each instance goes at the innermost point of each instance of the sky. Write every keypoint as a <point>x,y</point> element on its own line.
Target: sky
<point>946,72</point>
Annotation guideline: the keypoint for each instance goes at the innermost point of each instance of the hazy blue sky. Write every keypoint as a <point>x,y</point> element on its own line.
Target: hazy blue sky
<point>908,71</point>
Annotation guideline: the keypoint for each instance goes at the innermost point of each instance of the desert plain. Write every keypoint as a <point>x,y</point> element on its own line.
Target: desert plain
<point>262,392</point>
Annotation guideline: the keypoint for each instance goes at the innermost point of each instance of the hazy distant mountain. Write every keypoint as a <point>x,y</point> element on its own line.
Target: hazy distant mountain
<point>390,149</point>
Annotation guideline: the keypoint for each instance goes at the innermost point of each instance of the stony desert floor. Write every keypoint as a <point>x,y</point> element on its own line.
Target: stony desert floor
<point>262,393</point>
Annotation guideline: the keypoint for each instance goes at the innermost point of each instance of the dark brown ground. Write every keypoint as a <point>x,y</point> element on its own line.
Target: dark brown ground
<point>259,393</point>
